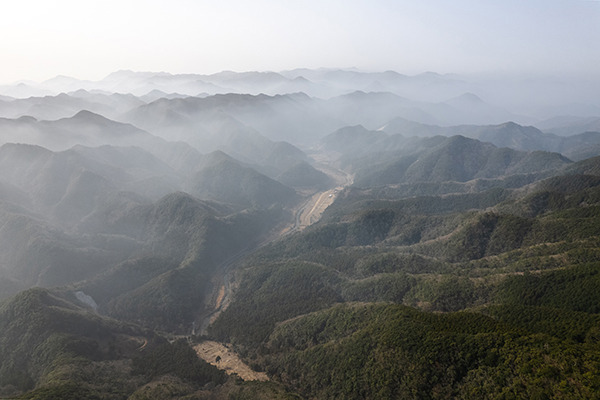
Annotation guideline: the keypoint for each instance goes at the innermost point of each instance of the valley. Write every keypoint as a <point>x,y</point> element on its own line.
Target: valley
<point>342,242</point>
<point>308,212</point>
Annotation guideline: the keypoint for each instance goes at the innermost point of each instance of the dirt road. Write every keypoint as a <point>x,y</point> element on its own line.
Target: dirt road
<point>315,207</point>
<point>305,215</point>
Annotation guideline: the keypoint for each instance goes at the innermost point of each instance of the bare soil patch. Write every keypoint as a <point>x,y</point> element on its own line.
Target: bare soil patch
<point>225,359</point>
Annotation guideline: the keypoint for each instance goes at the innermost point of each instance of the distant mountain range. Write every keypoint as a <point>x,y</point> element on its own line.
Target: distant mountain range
<point>348,234</point>
<point>377,159</point>
<point>514,98</point>
<point>509,134</point>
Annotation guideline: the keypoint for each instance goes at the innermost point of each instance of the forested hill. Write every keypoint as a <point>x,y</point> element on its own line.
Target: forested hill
<point>482,295</point>
<point>55,348</point>
<point>346,235</point>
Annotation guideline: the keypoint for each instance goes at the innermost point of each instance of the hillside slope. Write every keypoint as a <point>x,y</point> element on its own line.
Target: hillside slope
<point>514,273</point>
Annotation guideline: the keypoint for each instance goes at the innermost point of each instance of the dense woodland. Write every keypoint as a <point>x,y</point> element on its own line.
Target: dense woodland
<point>391,299</point>
<point>453,261</point>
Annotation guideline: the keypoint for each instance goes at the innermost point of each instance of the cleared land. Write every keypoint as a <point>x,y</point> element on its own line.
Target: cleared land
<point>225,359</point>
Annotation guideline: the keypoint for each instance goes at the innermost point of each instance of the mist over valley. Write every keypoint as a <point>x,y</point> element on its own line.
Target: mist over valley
<point>309,233</point>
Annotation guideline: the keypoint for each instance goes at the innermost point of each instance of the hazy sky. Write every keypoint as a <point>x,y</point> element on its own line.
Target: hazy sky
<point>40,39</point>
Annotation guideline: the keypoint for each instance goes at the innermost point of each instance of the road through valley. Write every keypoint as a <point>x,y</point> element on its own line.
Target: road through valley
<point>306,214</point>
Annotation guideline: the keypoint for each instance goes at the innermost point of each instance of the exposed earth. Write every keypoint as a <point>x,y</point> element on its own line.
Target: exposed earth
<point>225,359</point>
<point>220,355</point>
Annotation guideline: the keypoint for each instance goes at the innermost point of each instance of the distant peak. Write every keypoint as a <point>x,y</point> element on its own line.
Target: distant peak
<point>85,115</point>
<point>468,97</point>
<point>430,74</point>
<point>510,124</point>
<point>218,153</point>
<point>346,130</point>
<point>392,73</point>
<point>156,92</point>
<point>80,92</point>
<point>23,149</point>
<point>297,96</point>
<point>26,118</point>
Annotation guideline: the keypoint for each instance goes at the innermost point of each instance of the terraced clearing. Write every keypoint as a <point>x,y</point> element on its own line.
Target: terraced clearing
<point>225,359</point>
